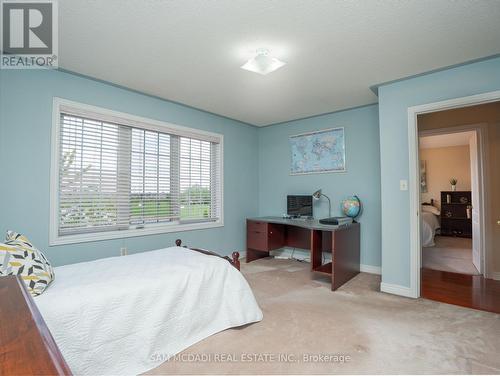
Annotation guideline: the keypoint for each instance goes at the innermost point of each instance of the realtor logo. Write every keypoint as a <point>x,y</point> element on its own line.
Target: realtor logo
<point>29,34</point>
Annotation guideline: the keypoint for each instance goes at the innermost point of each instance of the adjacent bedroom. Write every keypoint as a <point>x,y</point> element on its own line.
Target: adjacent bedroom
<point>446,199</point>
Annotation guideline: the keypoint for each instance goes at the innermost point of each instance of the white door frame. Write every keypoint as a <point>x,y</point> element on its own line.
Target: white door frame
<point>414,174</point>
<point>481,131</point>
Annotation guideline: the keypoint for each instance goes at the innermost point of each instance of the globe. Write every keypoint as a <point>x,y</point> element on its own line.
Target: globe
<point>351,207</point>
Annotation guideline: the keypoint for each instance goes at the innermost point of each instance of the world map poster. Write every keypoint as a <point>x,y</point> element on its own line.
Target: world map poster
<point>318,152</point>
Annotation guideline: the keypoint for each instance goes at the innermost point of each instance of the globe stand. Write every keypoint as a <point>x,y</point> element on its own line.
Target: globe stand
<point>360,211</point>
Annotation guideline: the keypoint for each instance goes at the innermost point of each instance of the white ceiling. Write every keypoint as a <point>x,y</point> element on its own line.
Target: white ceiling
<point>445,140</point>
<point>190,51</point>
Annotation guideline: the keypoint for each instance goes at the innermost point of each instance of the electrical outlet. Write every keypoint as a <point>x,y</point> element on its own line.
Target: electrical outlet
<point>123,251</point>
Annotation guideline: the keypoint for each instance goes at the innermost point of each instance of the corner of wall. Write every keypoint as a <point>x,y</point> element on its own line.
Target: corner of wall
<point>396,290</point>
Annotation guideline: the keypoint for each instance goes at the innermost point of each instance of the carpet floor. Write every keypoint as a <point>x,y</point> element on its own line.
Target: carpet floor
<point>450,255</point>
<point>308,329</point>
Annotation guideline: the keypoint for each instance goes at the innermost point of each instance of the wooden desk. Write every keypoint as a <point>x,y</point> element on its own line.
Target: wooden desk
<point>26,345</point>
<point>266,234</point>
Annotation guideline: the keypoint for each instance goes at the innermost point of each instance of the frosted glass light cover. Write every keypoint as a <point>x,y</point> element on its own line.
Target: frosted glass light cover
<point>263,64</point>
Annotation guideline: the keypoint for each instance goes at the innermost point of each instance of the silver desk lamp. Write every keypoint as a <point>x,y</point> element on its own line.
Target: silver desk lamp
<point>317,195</point>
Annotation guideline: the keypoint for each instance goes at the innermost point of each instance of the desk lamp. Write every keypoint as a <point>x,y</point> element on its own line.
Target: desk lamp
<point>317,195</point>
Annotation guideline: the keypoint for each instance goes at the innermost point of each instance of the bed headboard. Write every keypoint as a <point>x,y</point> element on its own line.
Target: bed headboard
<point>429,203</point>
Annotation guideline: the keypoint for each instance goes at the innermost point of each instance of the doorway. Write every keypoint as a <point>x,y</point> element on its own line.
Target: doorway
<point>462,267</point>
<point>451,171</point>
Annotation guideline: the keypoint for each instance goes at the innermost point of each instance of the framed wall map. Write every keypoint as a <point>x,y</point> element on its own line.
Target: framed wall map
<point>318,152</point>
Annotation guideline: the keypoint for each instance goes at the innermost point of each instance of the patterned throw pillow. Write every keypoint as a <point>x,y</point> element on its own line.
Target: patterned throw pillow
<point>19,257</point>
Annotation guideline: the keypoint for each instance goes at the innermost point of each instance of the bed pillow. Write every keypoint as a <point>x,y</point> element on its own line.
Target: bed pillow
<point>19,257</point>
<point>431,209</point>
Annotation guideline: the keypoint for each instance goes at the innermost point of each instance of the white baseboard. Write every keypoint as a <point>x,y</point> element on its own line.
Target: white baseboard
<point>370,269</point>
<point>495,276</point>
<point>396,289</point>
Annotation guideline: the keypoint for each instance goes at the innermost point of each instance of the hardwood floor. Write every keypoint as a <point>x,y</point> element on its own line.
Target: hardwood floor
<point>471,291</point>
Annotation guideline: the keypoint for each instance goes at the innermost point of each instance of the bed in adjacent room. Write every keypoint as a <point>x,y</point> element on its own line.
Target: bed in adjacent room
<point>429,225</point>
<point>126,315</point>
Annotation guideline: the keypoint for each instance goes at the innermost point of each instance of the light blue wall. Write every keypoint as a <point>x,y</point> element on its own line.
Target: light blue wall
<point>256,161</point>
<point>362,176</point>
<point>25,131</point>
<point>394,100</point>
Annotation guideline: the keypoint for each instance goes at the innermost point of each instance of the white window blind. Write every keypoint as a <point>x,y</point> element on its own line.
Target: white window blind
<point>114,177</point>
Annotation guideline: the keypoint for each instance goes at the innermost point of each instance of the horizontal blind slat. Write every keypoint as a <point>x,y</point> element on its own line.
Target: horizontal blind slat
<point>115,176</point>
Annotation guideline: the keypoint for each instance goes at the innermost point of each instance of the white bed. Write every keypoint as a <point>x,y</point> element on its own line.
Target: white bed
<point>126,315</point>
<point>429,225</point>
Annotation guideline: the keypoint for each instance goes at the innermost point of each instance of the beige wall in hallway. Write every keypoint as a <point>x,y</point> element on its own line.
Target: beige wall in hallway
<point>489,114</point>
<point>442,164</point>
<point>494,142</point>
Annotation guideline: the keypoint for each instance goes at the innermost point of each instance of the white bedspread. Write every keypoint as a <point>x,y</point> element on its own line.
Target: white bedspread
<point>428,229</point>
<point>126,315</point>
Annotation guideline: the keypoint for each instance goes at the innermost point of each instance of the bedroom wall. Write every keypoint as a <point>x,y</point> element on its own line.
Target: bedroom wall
<point>362,176</point>
<point>394,100</point>
<point>442,164</point>
<point>25,131</point>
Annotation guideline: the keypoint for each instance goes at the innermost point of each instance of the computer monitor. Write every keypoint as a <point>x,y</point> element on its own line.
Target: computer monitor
<point>299,205</point>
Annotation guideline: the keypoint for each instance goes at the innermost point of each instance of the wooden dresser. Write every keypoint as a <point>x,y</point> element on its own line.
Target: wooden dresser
<point>454,219</point>
<point>26,345</point>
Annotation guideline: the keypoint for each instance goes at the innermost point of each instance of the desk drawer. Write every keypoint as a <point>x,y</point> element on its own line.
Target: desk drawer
<point>257,226</point>
<point>257,240</point>
<point>263,236</point>
<point>257,234</point>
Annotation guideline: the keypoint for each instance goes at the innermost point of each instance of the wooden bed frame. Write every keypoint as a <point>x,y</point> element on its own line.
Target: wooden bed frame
<point>26,345</point>
<point>234,260</point>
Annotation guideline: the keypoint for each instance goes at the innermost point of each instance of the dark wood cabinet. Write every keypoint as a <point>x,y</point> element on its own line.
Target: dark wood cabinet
<point>455,220</point>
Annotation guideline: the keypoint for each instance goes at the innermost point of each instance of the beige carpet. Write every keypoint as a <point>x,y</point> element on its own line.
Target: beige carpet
<point>380,333</point>
<point>450,255</point>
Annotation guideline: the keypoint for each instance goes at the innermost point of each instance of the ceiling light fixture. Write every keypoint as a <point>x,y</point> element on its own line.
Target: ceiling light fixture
<point>262,63</point>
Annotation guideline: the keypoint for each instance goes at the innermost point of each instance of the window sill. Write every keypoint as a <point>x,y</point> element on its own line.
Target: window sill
<point>118,234</point>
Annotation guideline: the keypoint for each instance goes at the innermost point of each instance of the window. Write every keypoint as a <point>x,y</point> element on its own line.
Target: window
<point>116,175</point>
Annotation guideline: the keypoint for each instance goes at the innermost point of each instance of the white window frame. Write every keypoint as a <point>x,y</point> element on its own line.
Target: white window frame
<point>139,122</point>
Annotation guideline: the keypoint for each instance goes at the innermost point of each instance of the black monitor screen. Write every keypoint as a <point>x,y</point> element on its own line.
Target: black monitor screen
<point>299,206</point>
